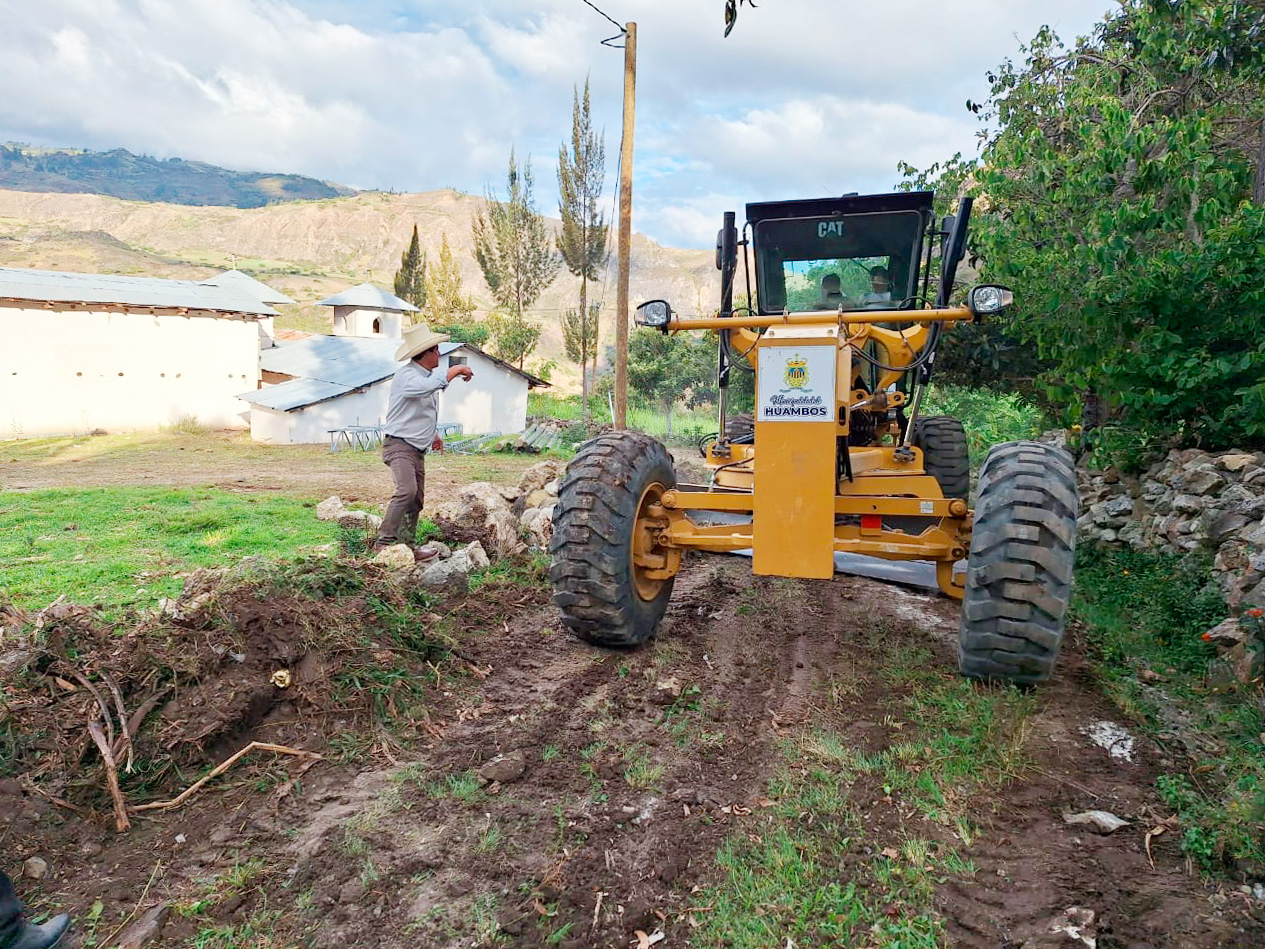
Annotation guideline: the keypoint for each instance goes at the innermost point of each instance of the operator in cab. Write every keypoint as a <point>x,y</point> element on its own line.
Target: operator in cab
<point>880,295</point>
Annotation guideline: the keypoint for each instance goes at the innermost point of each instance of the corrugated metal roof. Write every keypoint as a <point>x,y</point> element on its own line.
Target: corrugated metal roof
<point>328,366</point>
<point>370,297</point>
<point>248,285</point>
<point>294,394</point>
<point>352,361</point>
<point>44,286</point>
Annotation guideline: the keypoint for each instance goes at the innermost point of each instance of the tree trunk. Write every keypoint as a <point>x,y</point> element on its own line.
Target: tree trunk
<point>1091,410</point>
<point>667,415</point>
<point>584,347</point>
<point>1258,192</point>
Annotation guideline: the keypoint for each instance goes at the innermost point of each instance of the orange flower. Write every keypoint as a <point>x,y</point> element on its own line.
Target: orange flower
<point>1255,612</point>
<point>1206,637</point>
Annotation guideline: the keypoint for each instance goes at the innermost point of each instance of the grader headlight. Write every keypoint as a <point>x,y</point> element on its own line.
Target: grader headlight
<point>988,300</point>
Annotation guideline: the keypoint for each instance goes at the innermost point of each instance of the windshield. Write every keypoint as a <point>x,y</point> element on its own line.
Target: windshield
<point>857,261</point>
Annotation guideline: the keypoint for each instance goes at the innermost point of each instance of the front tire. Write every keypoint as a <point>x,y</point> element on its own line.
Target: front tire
<point>604,596</point>
<point>1019,575</point>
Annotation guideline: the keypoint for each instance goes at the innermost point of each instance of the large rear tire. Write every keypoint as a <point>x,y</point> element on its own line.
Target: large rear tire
<point>1019,575</point>
<point>605,598</point>
<point>945,453</point>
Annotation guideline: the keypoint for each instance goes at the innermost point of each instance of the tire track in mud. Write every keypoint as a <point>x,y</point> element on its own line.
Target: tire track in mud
<point>638,764</point>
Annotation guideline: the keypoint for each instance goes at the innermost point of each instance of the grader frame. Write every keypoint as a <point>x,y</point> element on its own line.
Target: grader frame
<point>838,459</point>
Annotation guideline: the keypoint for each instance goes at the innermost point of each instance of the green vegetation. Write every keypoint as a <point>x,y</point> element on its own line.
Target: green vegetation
<point>445,306</point>
<point>688,425</point>
<point>410,279</point>
<point>817,874</point>
<point>121,174</point>
<point>1123,197</point>
<point>127,546</point>
<point>1144,615</point>
<point>516,254</point>
<point>582,238</point>
<point>989,417</point>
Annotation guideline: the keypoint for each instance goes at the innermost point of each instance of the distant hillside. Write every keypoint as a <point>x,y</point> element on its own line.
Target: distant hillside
<point>310,250</point>
<point>120,174</point>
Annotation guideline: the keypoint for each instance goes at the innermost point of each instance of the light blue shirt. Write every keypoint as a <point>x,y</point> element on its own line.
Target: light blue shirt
<point>412,409</point>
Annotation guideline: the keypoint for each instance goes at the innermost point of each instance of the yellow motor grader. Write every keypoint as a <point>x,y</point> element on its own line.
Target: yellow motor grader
<point>841,331</point>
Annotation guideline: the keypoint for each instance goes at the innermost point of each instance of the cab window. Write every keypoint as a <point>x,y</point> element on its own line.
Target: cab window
<point>855,261</point>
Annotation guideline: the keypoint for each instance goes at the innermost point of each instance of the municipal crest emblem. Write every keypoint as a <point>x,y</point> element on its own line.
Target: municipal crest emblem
<point>796,375</point>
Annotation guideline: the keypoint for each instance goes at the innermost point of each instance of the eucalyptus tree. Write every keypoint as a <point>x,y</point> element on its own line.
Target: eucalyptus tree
<point>582,238</point>
<point>516,254</point>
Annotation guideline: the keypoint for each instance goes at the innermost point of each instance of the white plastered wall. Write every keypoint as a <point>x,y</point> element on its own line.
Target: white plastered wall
<point>68,370</point>
<point>311,424</point>
<point>494,401</point>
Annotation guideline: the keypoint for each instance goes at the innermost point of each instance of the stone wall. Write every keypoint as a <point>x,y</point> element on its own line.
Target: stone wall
<point>1191,501</point>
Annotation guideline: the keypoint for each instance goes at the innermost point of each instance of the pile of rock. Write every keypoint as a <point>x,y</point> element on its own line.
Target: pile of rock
<point>1240,651</point>
<point>508,520</point>
<point>491,522</point>
<point>332,509</point>
<point>1192,500</point>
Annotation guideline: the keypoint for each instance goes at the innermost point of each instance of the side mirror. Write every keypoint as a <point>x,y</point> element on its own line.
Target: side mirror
<point>988,300</point>
<point>720,249</point>
<point>654,314</point>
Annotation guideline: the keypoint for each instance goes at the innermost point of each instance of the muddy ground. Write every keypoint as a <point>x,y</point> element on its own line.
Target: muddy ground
<point>620,777</point>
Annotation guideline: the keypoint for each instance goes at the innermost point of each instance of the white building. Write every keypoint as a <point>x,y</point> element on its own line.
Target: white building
<point>325,384</point>
<point>245,283</point>
<point>368,311</point>
<point>82,352</point>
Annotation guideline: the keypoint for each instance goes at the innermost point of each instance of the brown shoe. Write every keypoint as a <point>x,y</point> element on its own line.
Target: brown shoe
<point>425,552</point>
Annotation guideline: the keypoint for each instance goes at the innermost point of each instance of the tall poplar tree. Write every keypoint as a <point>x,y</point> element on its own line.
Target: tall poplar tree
<point>582,240</point>
<point>517,257</point>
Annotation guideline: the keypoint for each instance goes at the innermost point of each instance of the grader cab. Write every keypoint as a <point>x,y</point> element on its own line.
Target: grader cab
<point>841,329</point>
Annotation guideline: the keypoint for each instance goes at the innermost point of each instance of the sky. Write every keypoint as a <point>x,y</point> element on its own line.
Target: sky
<point>805,98</point>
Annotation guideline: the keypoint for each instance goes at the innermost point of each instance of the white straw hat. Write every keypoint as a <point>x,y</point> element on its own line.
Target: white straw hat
<point>418,339</point>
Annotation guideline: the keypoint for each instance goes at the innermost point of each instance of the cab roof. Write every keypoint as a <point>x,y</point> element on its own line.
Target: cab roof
<point>850,204</point>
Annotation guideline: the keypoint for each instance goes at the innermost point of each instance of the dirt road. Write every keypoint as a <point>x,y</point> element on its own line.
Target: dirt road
<point>789,763</point>
<point>231,461</point>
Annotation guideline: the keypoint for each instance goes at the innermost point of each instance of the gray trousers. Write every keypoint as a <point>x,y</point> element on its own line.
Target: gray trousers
<point>408,470</point>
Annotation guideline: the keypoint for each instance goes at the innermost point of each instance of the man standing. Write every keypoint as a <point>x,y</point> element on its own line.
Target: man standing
<point>411,426</point>
<point>16,933</point>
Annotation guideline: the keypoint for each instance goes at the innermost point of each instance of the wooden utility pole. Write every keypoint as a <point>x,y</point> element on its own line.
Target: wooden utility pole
<point>625,227</point>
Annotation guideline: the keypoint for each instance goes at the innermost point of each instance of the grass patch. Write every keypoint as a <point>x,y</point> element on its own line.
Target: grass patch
<point>1145,613</point>
<point>124,546</point>
<point>809,888</point>
<point>459,787</point>
<point>817,875</point>
<point>529,571</point>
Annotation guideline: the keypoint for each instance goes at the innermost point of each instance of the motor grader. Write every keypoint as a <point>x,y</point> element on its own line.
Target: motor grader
<point>841,329</point>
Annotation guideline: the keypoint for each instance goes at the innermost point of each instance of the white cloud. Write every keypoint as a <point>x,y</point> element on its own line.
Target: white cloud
<point>805,97</point>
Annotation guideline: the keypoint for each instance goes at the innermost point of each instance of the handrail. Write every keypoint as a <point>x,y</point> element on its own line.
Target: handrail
<point>953,314</point>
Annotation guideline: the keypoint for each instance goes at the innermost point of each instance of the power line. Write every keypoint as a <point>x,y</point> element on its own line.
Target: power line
<point>619,26</point>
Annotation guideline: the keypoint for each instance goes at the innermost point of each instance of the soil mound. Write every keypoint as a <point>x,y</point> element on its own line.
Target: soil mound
<point>284,654</point>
